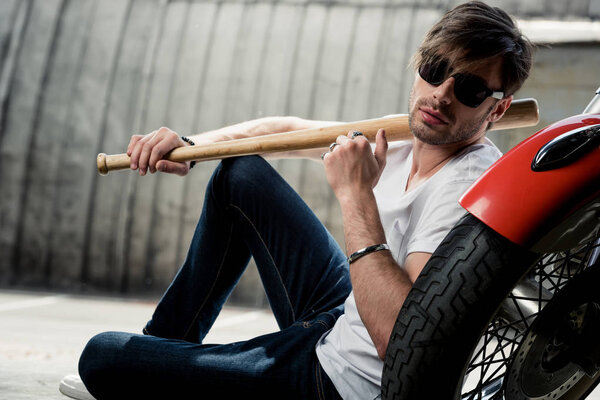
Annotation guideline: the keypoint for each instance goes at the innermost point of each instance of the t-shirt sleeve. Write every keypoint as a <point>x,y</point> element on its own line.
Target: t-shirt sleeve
<point>440,213</point>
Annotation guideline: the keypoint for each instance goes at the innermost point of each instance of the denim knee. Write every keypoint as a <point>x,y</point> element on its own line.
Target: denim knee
<point>238,175</point>
<point>97,359</point>
<point>244,164</point>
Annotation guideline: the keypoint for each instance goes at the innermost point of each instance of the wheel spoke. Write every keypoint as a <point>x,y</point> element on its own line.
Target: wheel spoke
<point>494,361</point>
<point>497,347</point>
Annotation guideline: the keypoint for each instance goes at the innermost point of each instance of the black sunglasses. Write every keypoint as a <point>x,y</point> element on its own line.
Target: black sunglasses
<point>471,90</point>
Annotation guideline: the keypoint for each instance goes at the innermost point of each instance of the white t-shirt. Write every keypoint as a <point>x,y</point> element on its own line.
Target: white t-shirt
<point>413,221</point>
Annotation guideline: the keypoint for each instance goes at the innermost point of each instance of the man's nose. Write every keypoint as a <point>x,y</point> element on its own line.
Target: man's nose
<point>444,93</point>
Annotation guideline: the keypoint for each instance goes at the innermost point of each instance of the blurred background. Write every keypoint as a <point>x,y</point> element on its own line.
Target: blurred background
<point>79,77</point>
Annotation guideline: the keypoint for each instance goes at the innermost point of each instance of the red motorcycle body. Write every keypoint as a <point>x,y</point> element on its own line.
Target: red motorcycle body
<point>548,208</point>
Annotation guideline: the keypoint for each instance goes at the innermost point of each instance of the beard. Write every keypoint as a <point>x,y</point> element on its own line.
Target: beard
<point>463,132</point>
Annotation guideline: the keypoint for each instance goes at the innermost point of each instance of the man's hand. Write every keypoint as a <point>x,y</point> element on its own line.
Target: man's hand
<point>351,165</point>
<point>146,152</point>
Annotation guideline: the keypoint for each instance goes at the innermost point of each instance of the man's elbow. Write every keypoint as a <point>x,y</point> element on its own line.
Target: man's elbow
<point>381,347</point>
<point>382,338</point>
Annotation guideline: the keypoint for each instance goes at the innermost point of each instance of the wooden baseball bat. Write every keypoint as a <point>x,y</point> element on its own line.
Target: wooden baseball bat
<point>521,113</point>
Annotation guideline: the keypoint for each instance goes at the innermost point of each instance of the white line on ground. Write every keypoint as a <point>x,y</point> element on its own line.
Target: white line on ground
<point>42,301</point>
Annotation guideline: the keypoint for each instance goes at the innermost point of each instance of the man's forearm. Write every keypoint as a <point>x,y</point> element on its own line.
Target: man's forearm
<point>380,285</point>
<point>258,127</point>
<point>255,127</point>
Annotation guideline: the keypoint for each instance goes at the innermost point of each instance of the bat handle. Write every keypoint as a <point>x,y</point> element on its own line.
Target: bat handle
<point>113,162</point>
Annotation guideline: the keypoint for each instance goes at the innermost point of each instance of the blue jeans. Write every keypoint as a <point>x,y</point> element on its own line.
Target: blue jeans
<point>249,211</point>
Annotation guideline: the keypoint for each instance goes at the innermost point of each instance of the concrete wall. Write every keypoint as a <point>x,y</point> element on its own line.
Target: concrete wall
<point>563,80</point>
<point>78,77</point>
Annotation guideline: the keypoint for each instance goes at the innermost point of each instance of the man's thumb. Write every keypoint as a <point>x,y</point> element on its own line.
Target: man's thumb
<point>381,146</point>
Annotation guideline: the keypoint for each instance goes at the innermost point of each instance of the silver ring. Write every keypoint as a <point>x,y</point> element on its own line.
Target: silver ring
<point>356,133</point>
<point>332,146</point>
<point>323,155</point>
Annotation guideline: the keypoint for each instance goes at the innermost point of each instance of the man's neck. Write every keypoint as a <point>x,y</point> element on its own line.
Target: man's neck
<point>429,159</point>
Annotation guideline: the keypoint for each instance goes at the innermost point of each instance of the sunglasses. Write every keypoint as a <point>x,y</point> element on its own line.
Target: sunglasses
<point>471,90</point>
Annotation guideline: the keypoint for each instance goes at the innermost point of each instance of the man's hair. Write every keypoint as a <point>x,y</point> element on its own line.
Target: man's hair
<point>472,33</point>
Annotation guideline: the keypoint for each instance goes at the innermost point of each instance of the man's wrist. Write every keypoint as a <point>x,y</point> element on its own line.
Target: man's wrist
<point>355,197</point>
<point>367,250</point>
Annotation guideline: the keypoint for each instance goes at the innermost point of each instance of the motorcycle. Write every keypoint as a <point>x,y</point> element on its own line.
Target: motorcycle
<point>508,305</point>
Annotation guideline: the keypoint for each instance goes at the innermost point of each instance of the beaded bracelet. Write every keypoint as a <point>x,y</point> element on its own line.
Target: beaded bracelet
<point>188,140</point>
<point>367,250</point>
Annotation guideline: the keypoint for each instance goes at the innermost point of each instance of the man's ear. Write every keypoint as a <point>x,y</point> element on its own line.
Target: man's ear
<point>500,108</point>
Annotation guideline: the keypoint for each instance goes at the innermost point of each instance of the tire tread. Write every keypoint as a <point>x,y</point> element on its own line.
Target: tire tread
<point>450,304</point>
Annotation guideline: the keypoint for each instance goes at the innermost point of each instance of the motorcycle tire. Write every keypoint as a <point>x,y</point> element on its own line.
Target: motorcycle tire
<point>460,300</point>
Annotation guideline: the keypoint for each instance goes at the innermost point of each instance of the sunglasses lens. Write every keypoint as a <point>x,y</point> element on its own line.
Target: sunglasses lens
<point>434,73</point>
<point>470,89</point>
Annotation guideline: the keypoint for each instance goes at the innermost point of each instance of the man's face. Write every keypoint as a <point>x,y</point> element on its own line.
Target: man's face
<point>437,117</point>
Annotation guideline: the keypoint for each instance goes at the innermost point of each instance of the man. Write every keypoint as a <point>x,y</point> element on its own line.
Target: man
<point>335,313</point>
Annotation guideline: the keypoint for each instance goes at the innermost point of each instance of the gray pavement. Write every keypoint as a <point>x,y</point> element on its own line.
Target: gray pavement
<point>42,335</point>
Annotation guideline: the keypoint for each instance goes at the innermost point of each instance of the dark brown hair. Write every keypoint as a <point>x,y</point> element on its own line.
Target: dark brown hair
<point>471,34</point>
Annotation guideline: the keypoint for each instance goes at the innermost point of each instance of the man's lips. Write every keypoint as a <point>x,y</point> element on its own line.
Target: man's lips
<point>432,117</point>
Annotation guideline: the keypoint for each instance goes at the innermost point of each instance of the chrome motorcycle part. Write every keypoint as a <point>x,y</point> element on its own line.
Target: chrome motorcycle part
<point>566,148</point>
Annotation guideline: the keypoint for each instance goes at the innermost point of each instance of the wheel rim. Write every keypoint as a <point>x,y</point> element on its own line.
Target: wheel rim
<point>509,352</point>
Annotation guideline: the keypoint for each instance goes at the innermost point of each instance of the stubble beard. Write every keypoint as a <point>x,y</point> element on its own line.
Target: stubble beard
<point>461,133</point>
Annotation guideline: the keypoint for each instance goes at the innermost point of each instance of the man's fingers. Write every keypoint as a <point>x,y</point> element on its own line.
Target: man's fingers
<point>166,144</point>
<point>172,167</point>
<point>135,148</point>
<point>134,139</point>
<point>342,139</point>
<point>147,147</point>
<point>135,154</point>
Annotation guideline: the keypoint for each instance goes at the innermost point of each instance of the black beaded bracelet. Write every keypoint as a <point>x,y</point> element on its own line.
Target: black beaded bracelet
<point>367,250</point>
<point>190,141</point>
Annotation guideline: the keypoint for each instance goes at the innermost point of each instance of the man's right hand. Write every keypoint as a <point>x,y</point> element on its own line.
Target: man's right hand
<point>146,152</point>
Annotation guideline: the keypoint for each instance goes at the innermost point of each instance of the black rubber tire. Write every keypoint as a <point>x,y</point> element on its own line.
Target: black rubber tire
<point>458,294</point>
<point>450,305</point>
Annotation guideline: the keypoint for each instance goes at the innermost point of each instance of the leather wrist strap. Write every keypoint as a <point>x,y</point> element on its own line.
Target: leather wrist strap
<point>190,141</point>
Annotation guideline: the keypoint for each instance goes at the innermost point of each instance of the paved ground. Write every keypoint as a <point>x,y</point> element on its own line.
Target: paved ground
<point>42,335</point>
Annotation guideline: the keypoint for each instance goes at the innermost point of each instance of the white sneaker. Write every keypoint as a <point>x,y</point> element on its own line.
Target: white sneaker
<point>72,386</point>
